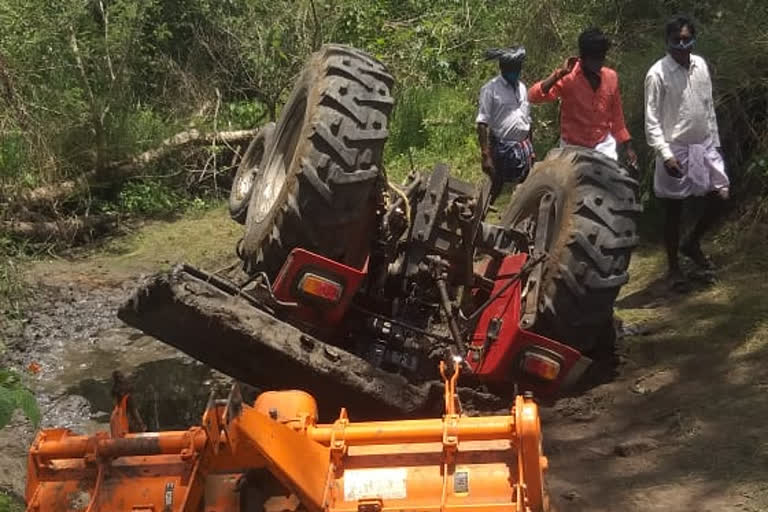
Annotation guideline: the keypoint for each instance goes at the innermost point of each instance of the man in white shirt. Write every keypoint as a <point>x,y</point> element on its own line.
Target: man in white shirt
<point>504,122</point>
<point>681,126</point>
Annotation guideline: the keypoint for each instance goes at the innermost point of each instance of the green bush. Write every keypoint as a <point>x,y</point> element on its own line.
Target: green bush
<point>243,114</point>
<point>15,396</point>
<point>14,159</point>
<point>153,197</point>
<point>146,69</point>
<point>9,504</point>
<point>12,288</point>
<point>137,130</point>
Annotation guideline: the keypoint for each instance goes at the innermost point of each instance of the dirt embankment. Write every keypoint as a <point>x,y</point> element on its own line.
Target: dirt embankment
<point>680,428</point>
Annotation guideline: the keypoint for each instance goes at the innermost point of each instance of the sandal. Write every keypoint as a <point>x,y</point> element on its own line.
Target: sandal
<point>705,276</point>
<point>692,250</point>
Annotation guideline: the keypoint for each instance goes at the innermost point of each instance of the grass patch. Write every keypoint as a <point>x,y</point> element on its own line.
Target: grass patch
<point>204,238</point>
<point>12,288</point>
<point>200,238</point>
<point>725,319</point>
<point>431,126</point>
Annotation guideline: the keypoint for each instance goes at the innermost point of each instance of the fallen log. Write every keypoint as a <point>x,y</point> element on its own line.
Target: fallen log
<point>177,142</point>
<point>69,229</point>
<point>55,193</point>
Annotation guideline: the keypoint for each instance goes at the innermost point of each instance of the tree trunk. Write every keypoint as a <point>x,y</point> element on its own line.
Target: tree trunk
<point>97,111</point>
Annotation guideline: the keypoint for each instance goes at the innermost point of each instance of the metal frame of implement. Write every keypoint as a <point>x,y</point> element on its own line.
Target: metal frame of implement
<point>454,463</point>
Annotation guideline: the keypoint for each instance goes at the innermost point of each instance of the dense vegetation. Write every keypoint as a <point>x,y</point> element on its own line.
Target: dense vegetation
<point>86,83</point>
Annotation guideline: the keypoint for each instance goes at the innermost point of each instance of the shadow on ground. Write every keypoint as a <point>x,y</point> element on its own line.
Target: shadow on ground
<point>683,427</point>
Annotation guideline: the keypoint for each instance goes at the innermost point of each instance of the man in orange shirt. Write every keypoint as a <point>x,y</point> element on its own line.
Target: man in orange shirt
<point>590,113</point>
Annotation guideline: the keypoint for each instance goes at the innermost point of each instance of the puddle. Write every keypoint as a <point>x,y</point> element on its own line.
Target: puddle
<point>170,394</point>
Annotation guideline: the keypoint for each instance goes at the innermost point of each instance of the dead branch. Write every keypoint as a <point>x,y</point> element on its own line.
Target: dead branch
<point>215,129</point>
<point>123,169</point>
<point>65,230</point>
<point>54,193</point>
<point>180,141</point>
<point>317,36</point>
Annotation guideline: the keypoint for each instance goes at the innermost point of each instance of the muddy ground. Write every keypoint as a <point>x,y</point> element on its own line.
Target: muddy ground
<point>680,428</point>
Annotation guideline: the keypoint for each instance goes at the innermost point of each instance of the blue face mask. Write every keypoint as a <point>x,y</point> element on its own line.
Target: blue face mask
<point>511,76</point>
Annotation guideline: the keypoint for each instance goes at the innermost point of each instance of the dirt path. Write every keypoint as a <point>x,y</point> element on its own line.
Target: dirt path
<point>681,427</point>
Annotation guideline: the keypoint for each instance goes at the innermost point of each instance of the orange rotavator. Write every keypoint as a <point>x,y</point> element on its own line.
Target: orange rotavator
<point>273,456</point>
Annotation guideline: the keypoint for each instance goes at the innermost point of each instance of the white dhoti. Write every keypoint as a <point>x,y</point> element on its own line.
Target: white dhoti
<point>703,172</point>
<point>607,146</point>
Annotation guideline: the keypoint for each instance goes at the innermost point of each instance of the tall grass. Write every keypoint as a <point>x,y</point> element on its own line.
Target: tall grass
<point>430,126</point>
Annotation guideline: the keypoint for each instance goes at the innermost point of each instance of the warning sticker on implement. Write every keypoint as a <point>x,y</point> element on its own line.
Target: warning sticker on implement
<point>375,483</point>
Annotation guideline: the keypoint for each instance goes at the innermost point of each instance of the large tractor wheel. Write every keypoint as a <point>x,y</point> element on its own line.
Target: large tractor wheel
<point>590,237</point>
<point>247,172</point>
<point>319,175</point>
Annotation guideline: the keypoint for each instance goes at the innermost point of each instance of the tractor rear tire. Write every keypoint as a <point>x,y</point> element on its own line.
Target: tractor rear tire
<point>592,233</point>
<point>320,174</point>
<point>247,172</point>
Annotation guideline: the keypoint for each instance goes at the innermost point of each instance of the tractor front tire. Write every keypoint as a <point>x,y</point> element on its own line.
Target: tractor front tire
<point>320,174</point>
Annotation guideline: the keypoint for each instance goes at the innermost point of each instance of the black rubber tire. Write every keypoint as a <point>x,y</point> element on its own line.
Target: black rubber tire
<point>320,172</point>
<point>590,242</point>
<point>247,172</point>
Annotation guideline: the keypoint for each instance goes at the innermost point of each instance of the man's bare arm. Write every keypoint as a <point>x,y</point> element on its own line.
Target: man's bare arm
<point>483,138</point>
<point>558,74</point>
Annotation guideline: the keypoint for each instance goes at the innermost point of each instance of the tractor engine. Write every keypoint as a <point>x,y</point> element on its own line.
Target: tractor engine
<point>423,273</point>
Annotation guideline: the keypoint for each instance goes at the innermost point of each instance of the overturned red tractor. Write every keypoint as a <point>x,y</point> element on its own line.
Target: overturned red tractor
<point>357,287</point>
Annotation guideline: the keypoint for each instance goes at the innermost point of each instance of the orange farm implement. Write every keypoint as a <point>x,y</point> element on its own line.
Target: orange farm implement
<point>274,456</point>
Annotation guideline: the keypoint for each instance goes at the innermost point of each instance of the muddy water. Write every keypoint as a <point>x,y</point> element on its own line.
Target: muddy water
<point>73,336</point>
<point>169,393</point>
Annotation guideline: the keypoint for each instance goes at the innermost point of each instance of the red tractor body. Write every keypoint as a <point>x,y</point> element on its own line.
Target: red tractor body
<point>500,352</point>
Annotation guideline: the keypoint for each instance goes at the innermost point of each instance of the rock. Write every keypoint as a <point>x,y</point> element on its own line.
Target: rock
<point>571,495</point>
<point>636,329</point>
<point>635,447</point>
<point>654,381</point>
<point>585,417</point>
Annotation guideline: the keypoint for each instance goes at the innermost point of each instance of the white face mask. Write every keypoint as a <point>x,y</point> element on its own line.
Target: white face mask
<point>677,44</point>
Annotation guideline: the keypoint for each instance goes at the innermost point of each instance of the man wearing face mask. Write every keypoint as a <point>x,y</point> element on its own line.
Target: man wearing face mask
<point>591,114</point>
<point>504,122</point>
<point>681,126</point>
